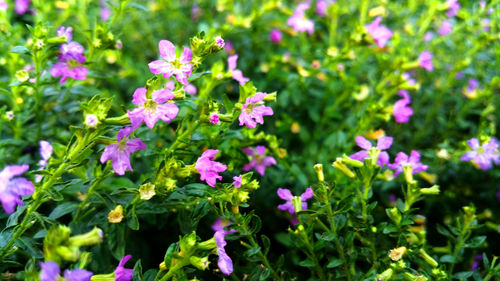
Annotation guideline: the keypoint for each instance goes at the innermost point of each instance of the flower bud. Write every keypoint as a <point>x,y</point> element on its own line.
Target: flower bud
<point>200,263</point>
<point>22,75</point>
<point>434,190</point>
<point>91,121</point>
<point>386,275</point>
<point>71,253</point>
<point>397,253</point>
<point>351,162</point>
<point>428,259</point>
<point>394,215</point>
<point>343,168</point>
<point>408,172</point>
<point>297,203</point>
<point>90,238</point>
<point>207,245</point>
<point>319,172</point>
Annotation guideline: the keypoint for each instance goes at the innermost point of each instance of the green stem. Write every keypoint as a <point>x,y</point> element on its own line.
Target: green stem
<point>91,191</point>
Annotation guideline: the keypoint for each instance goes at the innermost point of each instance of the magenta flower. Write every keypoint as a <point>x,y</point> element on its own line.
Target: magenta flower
<point>276,36</point>
<point>21,6</point>
<point>254,110</point>
<point>383,143</point>
<point>453,7</point>
<point>50,272</point>
<point>237,181</point>
<point>220,42</point>
<point>190,89</point>
<point>208,168</point>
<point>171,64</point>
<point>152,109</point>
<point>428,36</point>
<point>483,155</point>
<point>287,195</point>
<point>403,160</point>
<point>472,85</point>
<point>214,118</point>
<point>70,63</point>
<point>407,76</point>
<point>45,152</point>
<point>425,60</point>
<point>119,153</point>
<point>446,28</point>
<point>402,111</point>
<point>236,73</point>
<point>12,188</point>
<point>379,33</point>
<point>322,7</point>
<point>122,273</point>
<point>225,263</point>
<point>259,159</point>
<point>298,20</point>
<point>105,11</point>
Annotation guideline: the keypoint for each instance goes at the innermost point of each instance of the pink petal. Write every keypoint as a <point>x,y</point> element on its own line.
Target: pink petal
<point>186,55</point>
<point>363,143</point>
<point>384,143</point>
<point>231,62</point>
<point>139,96</point>
<point>167,50</point>
<point>308,194</point>
<point>162,95</point>
<point>285,194</point>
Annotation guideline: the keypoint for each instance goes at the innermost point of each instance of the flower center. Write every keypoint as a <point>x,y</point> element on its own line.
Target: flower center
<point>150,106</point>
<point>73,64</point>
<point>122,145</point>
<point>176,63</point>
<point>259,158</point>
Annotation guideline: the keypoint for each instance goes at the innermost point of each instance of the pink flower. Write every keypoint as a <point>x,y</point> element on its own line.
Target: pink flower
<point>45,151</point>
<point>4,6</point>
<point>152,109</point>
<point>214,118</point>
<point>403,160</point>
<point>276,36</point>
<point>208,168</point>
<point>446,28</point>
<point>220,42</point>
<point>190,89</point>
<point>70,63</point>
<point>259,161</point>
<point>379,33</point>
<point>172,65</point>
<point>119,153</point>
<point>428,36</point>
<point>236,73</point>
<point>383,143</point>
<point>453,7</point>
<point>483,154</point>
<point>298,20</point>
<point>401,110</point>
<point>254,110</point>
<point>322,7</point>
<point>237,181</point>
<point>21,6</point>
<point>12,188</point>
<point>66,32</point>
<point>225,263</point>
<point>425,60</point>
<point>122,273</point>
<point>287,195</point>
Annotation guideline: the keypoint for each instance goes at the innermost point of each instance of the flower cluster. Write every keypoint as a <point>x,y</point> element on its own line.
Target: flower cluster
<point>71,58</point>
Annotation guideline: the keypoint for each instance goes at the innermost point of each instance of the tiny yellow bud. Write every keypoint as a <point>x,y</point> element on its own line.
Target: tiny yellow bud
<point>397,253</point>
<point>61,5</point>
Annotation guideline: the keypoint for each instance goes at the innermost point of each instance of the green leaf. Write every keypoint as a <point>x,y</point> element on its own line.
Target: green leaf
<point>475,242</point>
<point>266,243</point>
<point>227,103</point>
<point>133,221</point>
<point>63,209</point>
<point>252,251</point>
<point>462,275</point>
<point>20,50</point>
<point>334,263</point>
<point>264,274</point>
<point>137,273</point>
<point>447,259</point>
<point>307,263</point>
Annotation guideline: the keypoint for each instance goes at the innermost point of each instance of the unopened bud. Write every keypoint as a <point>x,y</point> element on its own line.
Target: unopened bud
<point>428,259</point>
<point>434,190</point>
<point>297,203</point>
<point>351,162</point>
<point>91,121</point>
<point>394,215</point>
<point>90,238</point>
<point>200,263</point>
<point>343,168</point>
<point>386,275</point>
<point>319,172</point>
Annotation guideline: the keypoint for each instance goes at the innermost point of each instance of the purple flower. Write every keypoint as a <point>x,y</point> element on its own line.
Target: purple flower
<point>70,63</point>
<point>4,6</point>
<point>475,264</point>
<point>428,36</point>
<point>77,275</point>
<point>472,85</point>
<point>425,60</point>
<point>171,64</point>
<point>486,23</point>
<point>446,28</point>
<point>383,143</point>
<point>214,118</point>
<point>406,76</point>
<point>152,109</point>
<point>483,154</point>
<point>190,89</point>
<point>49,271</point>
<point>322,6</point>
<point>259,161</point>
<point>105,11</point>
<point>225,263</point>
<point>298,20</point>
<point>402,111</point>
<point>45,152</point>
<point>66,32</point>
<point>380,33</point>
<point>275,35</point>
<point>286,194</point>
<point>119,153</point>
<point>208,168</point>
<point>237,181</point>
<point>254,110</point>
<point>21,6</point>
<point>122,273</point>
<point>12,188</point>
<point>219,42</point>
<point>403,160</point>
<point>453,8</point>
<point>236,73</point>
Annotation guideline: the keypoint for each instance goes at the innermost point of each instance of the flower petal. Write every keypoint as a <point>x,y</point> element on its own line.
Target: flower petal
<point>363,143</point>
<point>167,50</point>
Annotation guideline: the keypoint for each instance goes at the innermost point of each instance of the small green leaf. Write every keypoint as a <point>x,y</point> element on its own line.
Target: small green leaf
<point>19,50</point>
<point>334,263</point>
